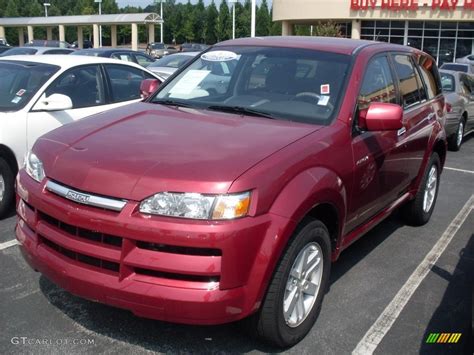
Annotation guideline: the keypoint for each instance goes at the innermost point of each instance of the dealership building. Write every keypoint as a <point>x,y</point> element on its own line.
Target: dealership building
<point>442,28</point>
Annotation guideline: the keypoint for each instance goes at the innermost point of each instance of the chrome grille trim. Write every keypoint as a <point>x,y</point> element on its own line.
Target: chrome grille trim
<point>85,198</point>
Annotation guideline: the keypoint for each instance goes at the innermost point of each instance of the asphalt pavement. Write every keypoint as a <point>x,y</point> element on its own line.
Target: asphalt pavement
<point>38,317</point>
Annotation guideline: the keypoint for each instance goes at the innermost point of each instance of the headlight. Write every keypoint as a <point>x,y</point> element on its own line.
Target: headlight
<point>197,206</point>
<point>34,167</point>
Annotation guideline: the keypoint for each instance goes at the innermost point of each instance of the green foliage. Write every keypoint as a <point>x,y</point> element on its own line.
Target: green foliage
<point>184,22</point>
<point>322,29</point>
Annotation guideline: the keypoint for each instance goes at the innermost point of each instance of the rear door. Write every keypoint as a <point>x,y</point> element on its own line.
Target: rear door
<point>419,114</point>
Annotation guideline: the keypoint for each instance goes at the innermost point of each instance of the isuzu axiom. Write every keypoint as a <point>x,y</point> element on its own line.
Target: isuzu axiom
<point>230,190</point>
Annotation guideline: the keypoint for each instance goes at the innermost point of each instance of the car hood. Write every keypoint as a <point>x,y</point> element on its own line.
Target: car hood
<point>140,149</point>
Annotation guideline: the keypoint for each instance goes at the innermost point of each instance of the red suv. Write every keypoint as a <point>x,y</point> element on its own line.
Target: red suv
<point>229,192</point>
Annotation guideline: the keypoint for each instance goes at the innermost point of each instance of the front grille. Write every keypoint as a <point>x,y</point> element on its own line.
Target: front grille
<point>85,259</point>
<point>88,234</point>
<point>179,250</point>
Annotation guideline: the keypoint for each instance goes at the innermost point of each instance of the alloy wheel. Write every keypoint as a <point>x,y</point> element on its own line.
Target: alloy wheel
<point>460,133</point>
<point>2,187</point>
<point>430,189</point>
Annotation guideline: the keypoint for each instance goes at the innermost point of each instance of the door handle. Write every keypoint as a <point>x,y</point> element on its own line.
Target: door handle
<point>401,131</point>
<point>431,116</point>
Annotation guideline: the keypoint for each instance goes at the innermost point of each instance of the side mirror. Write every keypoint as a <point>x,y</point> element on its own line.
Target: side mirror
<point>55,102</point>
<point>148,87</point>
<point>381,116</point>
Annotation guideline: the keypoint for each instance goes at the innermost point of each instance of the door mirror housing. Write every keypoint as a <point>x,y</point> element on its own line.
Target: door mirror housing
<point>54,102</point>
<point>381,116</point>
<point>148,87</point>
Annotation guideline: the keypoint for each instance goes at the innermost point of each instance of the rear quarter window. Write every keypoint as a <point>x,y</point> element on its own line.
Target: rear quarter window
<point>430,75</point>
<point>408,82</point>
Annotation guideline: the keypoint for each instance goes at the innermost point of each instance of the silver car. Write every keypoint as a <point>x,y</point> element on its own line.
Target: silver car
<point>36,51</point>
<point>458,90</point>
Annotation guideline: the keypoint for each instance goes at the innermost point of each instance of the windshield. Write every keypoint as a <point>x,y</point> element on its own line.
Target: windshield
<point>157,46</point>
<point>19,51</point>
<point>172,61</point>
<point>282,83</point>
<point>447,81</point>
<point>20,81</point>
<point>455,67</point>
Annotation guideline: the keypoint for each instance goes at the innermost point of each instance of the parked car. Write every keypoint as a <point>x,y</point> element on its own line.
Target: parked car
<point>166,66</point>
<point>461,67</point>
<point>469,59</point>
<point>205,207</point>
<point>458,90</point>
<point>85,44</point>
<point>159,50</point>
<point>4,48</point>
<point>40,93</point>
<point>48,43</point>
<point>4,42</point>
<point>193,47</point>
<point>126,55</point>
<point>35,51</point>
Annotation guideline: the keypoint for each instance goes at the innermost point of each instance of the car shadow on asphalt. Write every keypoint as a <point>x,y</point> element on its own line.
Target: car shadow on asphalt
<point>123,326</point>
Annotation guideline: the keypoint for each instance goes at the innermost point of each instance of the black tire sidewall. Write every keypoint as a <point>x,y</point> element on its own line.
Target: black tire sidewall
<point>7,202</point>
<point>313,231</point>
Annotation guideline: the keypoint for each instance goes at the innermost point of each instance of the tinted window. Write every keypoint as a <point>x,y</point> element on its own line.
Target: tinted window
<point>20,51</point>
<point>408,81</point>
<point>57,51</point>
<point>467,84</point>
<point>430,76</point>
<point>172,61</point>
<point>143,60</point>
<point>20,81</point>
<point>448,82</point>
<point>421,85</point>
<point>455,67</point>
<point>84,85</point>
<point>125,82</point>
<point>378,84</point>
<point>122,56</point>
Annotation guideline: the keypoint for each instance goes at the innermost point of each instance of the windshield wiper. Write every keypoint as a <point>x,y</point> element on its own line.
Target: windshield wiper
<point>240,110</point>
<point>169,102</point>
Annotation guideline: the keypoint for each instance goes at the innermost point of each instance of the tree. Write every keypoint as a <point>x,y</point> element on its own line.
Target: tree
<point>263,20</point>
<point>211,24</point>
<point>327,29</point>
<point>199,21</point>
<point>243,18</point>
<point>224,22</point>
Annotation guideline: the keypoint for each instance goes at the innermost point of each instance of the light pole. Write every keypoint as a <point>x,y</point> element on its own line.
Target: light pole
<point>46,5</point>
<point>252,31</point>
<point>233,17</point>
<point>100,26</point>
<point>161,15</point>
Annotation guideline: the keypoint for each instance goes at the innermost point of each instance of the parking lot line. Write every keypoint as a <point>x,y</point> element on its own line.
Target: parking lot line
<point>8,244</point>
<point>461,170</point>
<point>384,322</point>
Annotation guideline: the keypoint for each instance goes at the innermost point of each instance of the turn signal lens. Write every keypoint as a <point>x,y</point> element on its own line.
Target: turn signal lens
<point>232,206</point>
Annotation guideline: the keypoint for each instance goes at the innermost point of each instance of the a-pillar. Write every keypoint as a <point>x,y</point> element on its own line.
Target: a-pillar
<point>21,37</point>
<point>286,28</point>
<point>134,36</point>
<point>62,33</point>
<point>113,36</point>
<point>49,33</point>
<point>80,37</point>
<point>31,36</point>
<point>2,32</point>
<point>355,33</point>
<point>96,35</point>
<point>151,33</point>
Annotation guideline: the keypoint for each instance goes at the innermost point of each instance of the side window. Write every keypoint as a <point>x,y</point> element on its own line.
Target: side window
<point>378,84</point>
<point>122,56</point>
<point>84,85</point>
<point>430,76</point>
<point>407,80</point>
<point>125,82</point>
<point>57,51</point>
<point>466,84</point>
<point>143,60</point>
<point>421,85</point>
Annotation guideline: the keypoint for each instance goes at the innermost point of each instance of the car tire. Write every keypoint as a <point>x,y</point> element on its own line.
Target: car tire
<point>271,324</point>
<point>7,188</point>
<point>455,141</point>
<point>418,211</point>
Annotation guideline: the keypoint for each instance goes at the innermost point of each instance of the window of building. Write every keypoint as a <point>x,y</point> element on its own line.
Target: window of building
<point>385,31</point>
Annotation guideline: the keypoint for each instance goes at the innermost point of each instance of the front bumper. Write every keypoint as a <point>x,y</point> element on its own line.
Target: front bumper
<point>193,272</point>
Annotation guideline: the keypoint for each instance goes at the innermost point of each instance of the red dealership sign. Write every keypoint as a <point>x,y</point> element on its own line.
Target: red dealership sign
<point>410,5</point>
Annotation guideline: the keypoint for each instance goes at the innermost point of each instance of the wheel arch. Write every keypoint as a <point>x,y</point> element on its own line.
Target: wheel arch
<point>7,154</point>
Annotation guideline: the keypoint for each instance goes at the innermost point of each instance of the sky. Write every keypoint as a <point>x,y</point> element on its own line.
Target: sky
<point>145,3</point>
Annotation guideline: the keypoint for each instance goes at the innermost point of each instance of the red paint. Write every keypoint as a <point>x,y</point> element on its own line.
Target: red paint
<point>383,117</point>
<point>211,272</point>
<point>148,87</point>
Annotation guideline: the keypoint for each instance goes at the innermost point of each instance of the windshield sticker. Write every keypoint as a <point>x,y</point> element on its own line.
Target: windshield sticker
<point>16,99</point>
<point>323,100</point>
<point>189,82</point>
<point>20,92</point>
<point>325,89</point>
<point>219,56</point>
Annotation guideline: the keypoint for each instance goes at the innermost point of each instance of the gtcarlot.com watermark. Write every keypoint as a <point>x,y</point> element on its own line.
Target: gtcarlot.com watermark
<point>50,341</point>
